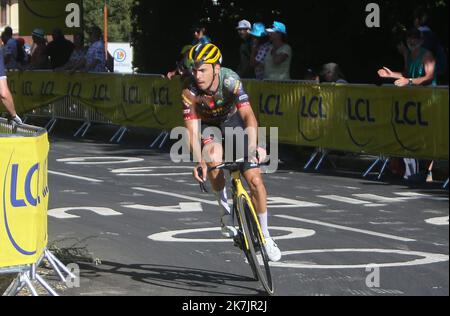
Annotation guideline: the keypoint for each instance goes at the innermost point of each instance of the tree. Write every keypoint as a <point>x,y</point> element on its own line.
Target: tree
<point>119,17</point>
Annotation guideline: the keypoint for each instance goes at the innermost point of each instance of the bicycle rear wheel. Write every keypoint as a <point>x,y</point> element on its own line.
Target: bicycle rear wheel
<point>256,248</point>
<point>239,241</point>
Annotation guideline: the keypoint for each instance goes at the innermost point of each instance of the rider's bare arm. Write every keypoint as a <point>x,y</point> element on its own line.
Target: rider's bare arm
<point>251,124</point>
<point>194,134</point>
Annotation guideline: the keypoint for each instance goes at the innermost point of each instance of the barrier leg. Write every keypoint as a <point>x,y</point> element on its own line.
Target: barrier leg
<point>55,266</point>
<point>60,264</point>
<point>52,126</point>
<point>371,167</point>
<point>80,130</point>
<point>46,286</point>
<point>157,139</point>
<point>50,123</point>
<point>113,139</point>
<point>88,126</point>
<point>164,140</point>
<point>324,155</point>
<point>311,160</point>
<point>28,284</point>
<point>445,184</point>
<point>383,169</point>
<point>124,131</point>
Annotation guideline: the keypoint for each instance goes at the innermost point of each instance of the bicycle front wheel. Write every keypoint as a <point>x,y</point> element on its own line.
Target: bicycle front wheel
<point>255,244</point>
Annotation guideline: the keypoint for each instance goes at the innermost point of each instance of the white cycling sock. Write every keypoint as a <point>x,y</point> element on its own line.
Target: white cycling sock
<point>264,226</point>
<point>222,198</point>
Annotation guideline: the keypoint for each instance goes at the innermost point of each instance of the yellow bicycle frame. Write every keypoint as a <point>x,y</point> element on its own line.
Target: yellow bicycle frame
<point>240,191</point>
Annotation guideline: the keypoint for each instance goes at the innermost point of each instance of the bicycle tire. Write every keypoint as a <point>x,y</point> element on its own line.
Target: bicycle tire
<point>251,233</point>
<point>241,240</point>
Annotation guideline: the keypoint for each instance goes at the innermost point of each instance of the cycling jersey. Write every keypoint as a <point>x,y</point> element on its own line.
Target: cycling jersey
<point>215,109</point>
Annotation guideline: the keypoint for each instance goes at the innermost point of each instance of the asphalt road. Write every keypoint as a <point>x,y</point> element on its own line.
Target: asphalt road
<point>152,232</point>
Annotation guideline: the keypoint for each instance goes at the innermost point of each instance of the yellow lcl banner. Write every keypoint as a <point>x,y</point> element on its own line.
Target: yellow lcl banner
<point>401,122</point>
<point>66,15</point>
<point>24,195</point>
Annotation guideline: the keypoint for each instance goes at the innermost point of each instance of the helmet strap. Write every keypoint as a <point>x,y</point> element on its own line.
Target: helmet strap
<point>214,79</point>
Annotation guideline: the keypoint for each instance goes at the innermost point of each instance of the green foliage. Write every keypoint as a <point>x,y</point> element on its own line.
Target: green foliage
<point>119,17</point>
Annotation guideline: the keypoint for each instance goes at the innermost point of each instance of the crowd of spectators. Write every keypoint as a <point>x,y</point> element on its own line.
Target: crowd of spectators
<point>60,54</point>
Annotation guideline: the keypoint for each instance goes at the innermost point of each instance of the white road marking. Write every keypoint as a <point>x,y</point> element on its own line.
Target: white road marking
<point>289,203</point>
<point>294,233</point>
<point>375,205</point>
<point>154,174</point>
<point>280,202</point>
<point>62,213</point>
<point>149,171</point>
<point>420,196</point>
<point>99,160</point>
<point>343,199</point>
<point>439,221</point>
<point>378,198</point>
<point>180,196</point>
<point>74,177</point>
<point>181,208</point>
<point>427,258</point>
<point>361,231</point>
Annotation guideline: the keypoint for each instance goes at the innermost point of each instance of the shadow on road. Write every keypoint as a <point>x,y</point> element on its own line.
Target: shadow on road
<point>177,278</point>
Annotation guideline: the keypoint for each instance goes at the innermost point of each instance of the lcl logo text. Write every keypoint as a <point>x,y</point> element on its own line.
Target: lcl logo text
<point>270,105</point>
<point>312,108</point>
<point>161,96</point>
<point>359,110</point>
<point>16,201</point>
<point>410,113</point>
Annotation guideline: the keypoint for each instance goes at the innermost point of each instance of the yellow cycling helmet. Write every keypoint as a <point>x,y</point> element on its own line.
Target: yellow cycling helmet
<point>205,54</point>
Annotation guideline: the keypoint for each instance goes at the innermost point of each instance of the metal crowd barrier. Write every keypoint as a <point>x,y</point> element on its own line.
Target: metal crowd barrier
<point>27,274</point>
<point>10,130</point>
<point>71,109</point>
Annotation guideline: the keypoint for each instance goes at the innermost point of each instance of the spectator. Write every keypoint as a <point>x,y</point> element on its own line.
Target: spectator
<point>39,57</point>
<point>278,61</point>
<point>260,48</point>
<point>331,72</point>
<point>311,75</point>
<point>59,50</point>
<point>5,94</point>
<point>95,58</point>
<point>245,70</point>
<point>430,40</point>
<point>10,53</point>
<point>199,33</point>
<point>420,64</point>
<point>182,64</point>
<point>22,57</point>
<point>78,53</point>
<point>420,70</point>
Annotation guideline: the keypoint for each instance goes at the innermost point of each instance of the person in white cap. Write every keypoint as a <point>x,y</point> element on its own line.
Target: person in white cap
<point>245,70</point>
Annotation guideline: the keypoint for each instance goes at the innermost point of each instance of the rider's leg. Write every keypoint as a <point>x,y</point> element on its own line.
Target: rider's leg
<point>259,196</point>
<point>213,153</point>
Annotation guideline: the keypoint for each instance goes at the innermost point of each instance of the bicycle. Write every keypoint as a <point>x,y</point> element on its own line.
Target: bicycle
<point>250,238</point>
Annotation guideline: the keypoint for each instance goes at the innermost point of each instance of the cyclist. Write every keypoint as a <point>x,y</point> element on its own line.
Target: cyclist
<point>5,94</point>
<point>215,97</point>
